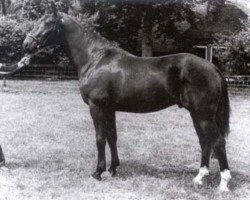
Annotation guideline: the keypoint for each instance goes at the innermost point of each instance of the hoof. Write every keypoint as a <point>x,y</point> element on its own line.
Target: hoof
<point>5,169</point>
<point>113,172</point>
<point>223,189</point>
<point>225,178</point>
<point>2,163</point>
<point>197,183</point>
<point>97,176</point>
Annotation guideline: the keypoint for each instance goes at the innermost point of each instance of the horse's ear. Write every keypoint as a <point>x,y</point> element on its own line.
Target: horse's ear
<point>61,18</point>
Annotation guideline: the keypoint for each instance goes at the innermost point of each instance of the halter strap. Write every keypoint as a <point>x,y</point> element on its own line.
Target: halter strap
<point>33,37</point>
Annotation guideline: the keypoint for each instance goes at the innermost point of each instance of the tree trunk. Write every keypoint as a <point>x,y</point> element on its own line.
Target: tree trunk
<point>3,8</point>
<point>23,5</point>
<point>209,2</point>
<point>147,37</point>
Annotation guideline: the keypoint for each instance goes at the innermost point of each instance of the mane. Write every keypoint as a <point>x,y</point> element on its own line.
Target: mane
<point>88,29</point>
<point>95,45</point>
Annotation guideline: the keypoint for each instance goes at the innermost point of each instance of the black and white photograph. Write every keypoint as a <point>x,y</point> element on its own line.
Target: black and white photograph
<point>124,100</point>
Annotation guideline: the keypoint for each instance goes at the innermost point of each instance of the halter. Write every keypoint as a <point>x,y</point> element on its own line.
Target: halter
<point>40,42</point>
<point>57,28</point>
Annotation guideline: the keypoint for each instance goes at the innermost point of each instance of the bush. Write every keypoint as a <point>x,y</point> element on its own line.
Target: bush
<point>35,9</point>
<point>235,58</point>
<point>12,34</point>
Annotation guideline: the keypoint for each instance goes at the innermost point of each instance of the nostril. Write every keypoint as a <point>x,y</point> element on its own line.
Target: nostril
<point>25,46</point>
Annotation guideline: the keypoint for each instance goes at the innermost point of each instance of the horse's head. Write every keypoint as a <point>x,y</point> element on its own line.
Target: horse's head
<point>46,32</point>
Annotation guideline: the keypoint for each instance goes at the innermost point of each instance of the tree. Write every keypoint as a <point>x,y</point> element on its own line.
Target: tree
<point>146,35</point>
<point>128,22</point>
<point>141,26</point>
<point>235,58</point>
<point>35,9</point>
<point>12,34</point>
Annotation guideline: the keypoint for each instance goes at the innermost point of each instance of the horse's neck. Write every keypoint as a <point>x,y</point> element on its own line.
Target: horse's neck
<point>84,45</point>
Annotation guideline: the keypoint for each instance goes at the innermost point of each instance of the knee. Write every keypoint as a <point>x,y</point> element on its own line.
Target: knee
<point>219,146</point>
<point>100,140</point>
<point>220,142</point>
<point>112,139</point>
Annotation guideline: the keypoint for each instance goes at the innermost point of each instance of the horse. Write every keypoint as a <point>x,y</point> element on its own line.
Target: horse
<point>111,79</point>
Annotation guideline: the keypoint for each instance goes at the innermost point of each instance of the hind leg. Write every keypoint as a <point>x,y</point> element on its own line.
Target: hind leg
<point>209,137</point>
<point>112,140</point>
<point>220,152</point>
<point>206,145</point>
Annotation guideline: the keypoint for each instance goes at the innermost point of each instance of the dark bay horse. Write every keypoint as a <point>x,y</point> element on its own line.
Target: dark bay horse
<point>112,79</point>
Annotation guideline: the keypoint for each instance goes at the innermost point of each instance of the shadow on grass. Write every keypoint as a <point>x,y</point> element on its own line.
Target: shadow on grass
<point>135,168</point>
<point>33,164</point>
<point>238,180</point>
<point>19,164</point>
<point>180,173</point>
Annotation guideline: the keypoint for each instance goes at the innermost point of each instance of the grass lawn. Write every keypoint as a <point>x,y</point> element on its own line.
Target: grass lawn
<point>49,143</point>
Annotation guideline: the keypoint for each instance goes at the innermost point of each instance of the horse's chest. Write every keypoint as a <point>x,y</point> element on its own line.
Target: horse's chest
<point>94,90</point>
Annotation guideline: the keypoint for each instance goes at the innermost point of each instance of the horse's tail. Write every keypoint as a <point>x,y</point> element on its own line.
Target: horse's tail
<point>223,110</point>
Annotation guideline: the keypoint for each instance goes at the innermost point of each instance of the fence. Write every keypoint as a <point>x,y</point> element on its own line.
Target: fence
<point>46,72</point>
<point>238,85</point>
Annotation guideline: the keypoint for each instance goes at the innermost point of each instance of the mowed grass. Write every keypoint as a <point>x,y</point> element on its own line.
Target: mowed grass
<point>49,142</point>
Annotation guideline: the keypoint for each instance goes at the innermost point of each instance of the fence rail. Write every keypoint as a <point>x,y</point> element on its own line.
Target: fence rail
<point>238,85</point>
<point>47,72</point>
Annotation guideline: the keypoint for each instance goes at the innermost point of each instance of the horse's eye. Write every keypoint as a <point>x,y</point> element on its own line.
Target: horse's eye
<point>48,23</point>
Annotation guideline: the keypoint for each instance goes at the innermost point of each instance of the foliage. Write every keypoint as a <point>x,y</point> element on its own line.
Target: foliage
<point>12,33</point>
<point>122,21</point>
<point>235,59</point>
<point>35,9</point>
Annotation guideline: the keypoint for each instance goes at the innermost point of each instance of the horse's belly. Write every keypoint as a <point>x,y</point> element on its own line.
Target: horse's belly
<point>144,101</point>
<point>142,108</point>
